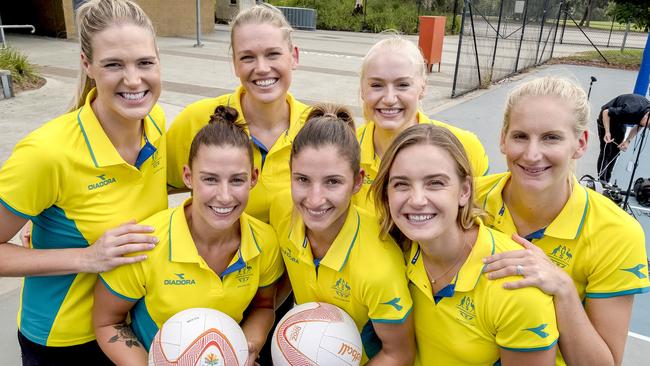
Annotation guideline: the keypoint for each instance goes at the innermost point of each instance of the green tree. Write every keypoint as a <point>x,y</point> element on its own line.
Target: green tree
<point>634,11</point>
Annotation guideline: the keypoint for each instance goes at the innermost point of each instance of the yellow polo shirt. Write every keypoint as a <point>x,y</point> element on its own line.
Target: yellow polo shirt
<point>68,178</point>
<point>175,277</point>
<point>360,273</point>
<point>271,161</point>
<point>599,245</point>
<point>469,321</point>
<point>370,161</point>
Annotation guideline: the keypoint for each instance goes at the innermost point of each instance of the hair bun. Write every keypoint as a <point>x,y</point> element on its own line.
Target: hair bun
<point>334,111</point>
<point>224,114</point>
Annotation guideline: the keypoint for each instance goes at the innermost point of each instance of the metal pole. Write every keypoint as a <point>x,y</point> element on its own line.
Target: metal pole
<point>453,19</point>
<point>521,39</point>
<point>541,31</point>
<point>478,64</point>
<point>198,24</point>
<point>2,28</point>
<point>365,9</point>
<point>2,36</point>
<point>460,43</point>
<point>566,13</point>
<point>610,31</point>
<point>588,39</point>
<point>636,164</point>
<point>557,25</point>
<point>496,39</point>
<point>627,29</point>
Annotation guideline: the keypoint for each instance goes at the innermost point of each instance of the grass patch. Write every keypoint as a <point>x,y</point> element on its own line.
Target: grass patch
<point>23,73</point>
<point>629,59</point>
<point>603,25</point>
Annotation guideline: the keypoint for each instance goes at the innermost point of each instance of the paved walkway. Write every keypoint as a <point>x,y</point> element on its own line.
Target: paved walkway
<point>328,71</point>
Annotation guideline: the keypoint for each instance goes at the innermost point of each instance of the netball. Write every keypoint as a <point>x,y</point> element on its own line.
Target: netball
<point>199,336</point>
<point>316,333</point>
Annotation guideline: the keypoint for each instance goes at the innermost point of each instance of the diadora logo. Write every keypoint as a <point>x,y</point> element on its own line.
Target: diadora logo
<point>466,308</point>
<point>561,256</point>
<point>637,271</point>
<point>394,303</point>
<point>180,280</point>
<point>539,330</point>
<point>342,288</point>
<point>244,274</point>
<point>287,253</point>
<point>102,182</point>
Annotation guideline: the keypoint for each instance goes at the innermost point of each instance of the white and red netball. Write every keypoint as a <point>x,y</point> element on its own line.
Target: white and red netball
<point>197,337</point>
<point>316,333</point>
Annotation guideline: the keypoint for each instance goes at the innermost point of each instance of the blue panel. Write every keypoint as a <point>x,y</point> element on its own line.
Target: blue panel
<point>43,296</point>
<point>52,229</point>
<point>235,266</point>
<point>393,321</point>
<point>42,299</point>
<point>264,151</point>
<point>535,349</point>
<point>605,295</point>
<point>370,340</point>
<point>142,324</point>
<point>145,152</point>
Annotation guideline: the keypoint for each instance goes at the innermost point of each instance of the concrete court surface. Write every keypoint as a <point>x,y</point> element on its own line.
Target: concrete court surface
<point>328,71</point>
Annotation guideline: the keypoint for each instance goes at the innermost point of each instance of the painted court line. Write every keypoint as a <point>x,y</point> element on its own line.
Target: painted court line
<point>639,336</point>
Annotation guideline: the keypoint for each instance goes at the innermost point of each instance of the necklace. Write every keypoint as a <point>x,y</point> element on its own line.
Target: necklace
<point>432,279</point>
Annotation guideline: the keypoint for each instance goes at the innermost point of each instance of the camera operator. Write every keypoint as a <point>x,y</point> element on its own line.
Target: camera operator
<point>626,109</point>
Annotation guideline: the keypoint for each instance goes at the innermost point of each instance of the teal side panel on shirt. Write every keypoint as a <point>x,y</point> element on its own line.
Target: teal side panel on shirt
<point>370,340</point>
<point>44,295</point>
<point>42,299</point>
<point>53,229</point>
<point>142,324</point>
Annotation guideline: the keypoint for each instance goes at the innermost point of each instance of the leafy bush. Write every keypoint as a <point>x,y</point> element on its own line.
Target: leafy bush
<point>22,71</point>
<point>380,15</point>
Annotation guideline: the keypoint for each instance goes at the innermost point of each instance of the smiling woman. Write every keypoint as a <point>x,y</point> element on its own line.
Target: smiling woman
<point>104,164</point>
<point>393,81</point>
<point>332,250</point>
<point>264,57</point>
<point>579,246</point>
<point>214,254</point>
<point>427,207</point>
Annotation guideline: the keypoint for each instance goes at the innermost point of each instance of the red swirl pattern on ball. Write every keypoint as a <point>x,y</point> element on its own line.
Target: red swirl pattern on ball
<point>322,313</point>
<point>211,337</point>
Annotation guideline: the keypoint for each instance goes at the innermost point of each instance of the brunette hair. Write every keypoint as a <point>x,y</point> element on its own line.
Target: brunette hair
<point>222,130</point>
<point>329,124</point>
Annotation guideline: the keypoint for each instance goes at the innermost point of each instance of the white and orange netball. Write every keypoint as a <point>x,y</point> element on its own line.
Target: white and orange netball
<point>316,333</point>
<point>199,336</point>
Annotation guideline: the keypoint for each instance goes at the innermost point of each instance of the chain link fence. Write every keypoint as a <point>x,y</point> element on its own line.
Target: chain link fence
<point>602,29</point>
<point>501,37</point>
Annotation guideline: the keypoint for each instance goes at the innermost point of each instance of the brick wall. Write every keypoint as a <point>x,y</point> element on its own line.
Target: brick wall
<point>169,17</point>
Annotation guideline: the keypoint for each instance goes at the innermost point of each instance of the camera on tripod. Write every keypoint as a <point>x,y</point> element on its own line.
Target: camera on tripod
<point>611,191</point>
